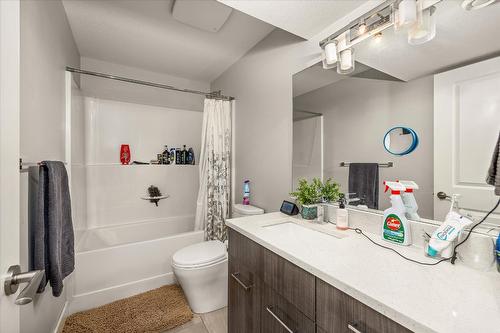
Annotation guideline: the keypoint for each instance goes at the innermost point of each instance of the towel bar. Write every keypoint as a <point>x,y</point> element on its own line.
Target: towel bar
<point>382,165</point>
<point>23,166</point>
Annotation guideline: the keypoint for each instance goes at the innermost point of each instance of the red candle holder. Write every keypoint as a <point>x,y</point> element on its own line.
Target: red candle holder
<point>125,154</point>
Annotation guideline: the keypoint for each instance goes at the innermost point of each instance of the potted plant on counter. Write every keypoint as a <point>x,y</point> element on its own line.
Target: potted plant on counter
<point>308,196</point>
<point>330,191</point>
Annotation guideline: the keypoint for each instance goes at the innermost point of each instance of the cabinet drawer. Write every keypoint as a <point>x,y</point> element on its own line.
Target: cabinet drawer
<point>246,252</point>
<point>244,302</point>
<point>280,316</point>
<point>293,283</point>
<point>337,312</point>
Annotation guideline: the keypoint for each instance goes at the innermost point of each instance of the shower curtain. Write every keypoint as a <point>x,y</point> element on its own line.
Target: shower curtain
<point>214,194</point>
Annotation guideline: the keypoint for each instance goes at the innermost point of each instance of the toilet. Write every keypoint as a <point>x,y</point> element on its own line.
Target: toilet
<point>202,269</point>
<point>240,210</point>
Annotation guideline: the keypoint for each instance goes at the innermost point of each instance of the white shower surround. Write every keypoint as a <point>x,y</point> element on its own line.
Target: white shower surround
<point>125,244</point>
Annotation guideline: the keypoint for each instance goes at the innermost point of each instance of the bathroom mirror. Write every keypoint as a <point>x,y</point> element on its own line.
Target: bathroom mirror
<point>428,113</point>
<point>400,140</point>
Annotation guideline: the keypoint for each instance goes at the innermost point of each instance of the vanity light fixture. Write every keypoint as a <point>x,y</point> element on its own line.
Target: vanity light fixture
<point>414,17</point>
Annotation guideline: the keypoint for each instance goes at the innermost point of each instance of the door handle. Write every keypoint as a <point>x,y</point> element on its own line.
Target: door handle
<point>15,278</point>
<point>237,279</point>
<point>442,196</point>
<point>275,316</point>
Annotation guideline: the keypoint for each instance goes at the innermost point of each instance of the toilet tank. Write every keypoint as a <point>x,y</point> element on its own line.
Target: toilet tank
<point>240,210</point>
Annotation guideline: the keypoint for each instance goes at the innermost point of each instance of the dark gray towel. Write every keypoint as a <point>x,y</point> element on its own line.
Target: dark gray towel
<point>51,227</point>
<point>493,177</point>
<point>363,180</point>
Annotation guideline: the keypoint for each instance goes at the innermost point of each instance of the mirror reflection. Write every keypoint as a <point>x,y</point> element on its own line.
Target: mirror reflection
<point>406,113</point>
<point>400,140</point>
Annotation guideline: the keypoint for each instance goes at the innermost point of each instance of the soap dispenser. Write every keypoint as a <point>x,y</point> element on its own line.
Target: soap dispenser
<point>342,219</point>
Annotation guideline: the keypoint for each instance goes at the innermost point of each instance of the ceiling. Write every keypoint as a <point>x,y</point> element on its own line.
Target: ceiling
<point>304,18</point>
<point>462,37</point>
<point>144,34</point>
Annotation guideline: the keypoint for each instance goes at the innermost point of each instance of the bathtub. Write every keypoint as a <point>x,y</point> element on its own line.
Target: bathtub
<point>124,260</point>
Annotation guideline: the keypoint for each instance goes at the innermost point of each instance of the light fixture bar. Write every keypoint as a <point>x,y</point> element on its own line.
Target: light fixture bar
<point>387,6</point>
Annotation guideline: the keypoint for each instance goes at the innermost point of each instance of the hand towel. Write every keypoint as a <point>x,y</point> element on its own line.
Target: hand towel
<point>493,177</point>
<point>363,180</point>
<point>52,228</point>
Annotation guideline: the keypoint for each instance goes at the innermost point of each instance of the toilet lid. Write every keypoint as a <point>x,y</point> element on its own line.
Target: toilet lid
<point>247,209</point>
<point>200,254</point>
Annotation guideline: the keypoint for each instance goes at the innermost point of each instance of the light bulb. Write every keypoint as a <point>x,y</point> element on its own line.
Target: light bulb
<point>362,28</point>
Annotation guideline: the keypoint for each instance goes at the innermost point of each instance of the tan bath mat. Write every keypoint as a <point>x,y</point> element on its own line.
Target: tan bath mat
<point>154,311</point>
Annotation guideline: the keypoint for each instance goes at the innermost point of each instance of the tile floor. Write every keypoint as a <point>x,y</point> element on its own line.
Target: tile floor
<point>212,322</point>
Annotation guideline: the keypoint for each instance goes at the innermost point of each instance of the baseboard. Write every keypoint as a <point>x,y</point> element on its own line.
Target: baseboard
<point>97,298</point>
<point>62,318</point>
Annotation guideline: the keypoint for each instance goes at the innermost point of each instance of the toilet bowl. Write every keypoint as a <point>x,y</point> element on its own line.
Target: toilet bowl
<point>201,270</point>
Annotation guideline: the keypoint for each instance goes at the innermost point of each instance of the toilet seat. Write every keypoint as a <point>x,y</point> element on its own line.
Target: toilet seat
<point>200,255</point>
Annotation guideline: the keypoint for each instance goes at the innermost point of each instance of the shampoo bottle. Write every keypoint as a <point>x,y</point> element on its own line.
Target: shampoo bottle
<point>395,226</point>
<point>342,219</point>
<point>246,192</point>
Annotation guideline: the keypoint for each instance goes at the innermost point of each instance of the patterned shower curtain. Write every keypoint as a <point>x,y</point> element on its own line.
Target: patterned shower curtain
<point>213,204</point>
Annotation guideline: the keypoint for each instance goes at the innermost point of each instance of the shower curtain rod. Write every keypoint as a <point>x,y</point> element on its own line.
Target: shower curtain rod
<point>213,95</point>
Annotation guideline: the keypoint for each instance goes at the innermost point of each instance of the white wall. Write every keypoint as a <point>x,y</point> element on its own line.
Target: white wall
<point>358,112</point>
<point>306,149</point>
<point>113,190</point>
<point>47,46</point>
<point>134,93</point>
<point>261,81</point>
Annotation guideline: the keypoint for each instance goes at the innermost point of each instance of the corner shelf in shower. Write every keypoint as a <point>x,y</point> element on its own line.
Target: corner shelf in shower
<point>161,197</point>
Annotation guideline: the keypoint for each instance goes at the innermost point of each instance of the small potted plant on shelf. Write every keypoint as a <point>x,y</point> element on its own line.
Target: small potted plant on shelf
<point>308,195</point>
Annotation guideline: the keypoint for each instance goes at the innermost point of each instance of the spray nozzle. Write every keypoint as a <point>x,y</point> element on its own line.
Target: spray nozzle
<point>409,184</point>
<point>396,187</point>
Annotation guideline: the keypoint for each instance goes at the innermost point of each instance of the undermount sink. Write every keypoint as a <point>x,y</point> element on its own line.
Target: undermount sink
<point>292,230</point>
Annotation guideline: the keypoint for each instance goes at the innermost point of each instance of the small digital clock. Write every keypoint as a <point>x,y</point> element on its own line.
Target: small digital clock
<point>289,208</point>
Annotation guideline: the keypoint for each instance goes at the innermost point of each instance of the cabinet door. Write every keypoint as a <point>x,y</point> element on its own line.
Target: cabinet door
<point>280,316</point>
<point>337,312</point>
<point>290,281</point>
<point>247,252</point>
<point>244,304</point>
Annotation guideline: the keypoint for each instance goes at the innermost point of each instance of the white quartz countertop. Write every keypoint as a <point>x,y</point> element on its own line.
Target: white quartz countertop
<point>442,298</point>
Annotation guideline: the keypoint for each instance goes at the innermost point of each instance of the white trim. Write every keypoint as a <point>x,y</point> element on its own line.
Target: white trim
<point>103,296</point>
<point>62,318</point>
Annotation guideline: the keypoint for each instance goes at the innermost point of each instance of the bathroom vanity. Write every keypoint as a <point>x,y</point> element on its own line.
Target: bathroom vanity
<point>288,275</point>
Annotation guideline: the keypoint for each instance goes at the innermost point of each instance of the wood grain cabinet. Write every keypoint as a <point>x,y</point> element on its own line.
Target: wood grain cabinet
<point>337,312</point>
<point>268,294</point>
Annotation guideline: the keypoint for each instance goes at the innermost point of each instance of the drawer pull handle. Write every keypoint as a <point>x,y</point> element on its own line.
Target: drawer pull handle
<point>235,277</point>
<point>352,327</point>
<point>269,309</point>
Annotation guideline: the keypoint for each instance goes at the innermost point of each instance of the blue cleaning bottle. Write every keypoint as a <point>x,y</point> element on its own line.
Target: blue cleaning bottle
<point>498,253</point>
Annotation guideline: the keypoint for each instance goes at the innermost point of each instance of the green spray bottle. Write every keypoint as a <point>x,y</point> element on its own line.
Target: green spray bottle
<point>395,227</point>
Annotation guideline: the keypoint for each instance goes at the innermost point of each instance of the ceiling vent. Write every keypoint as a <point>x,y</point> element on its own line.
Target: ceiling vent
<point>208,15</point>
